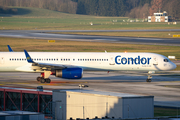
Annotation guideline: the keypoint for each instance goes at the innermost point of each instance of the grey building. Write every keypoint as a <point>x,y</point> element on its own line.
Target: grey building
<point>90,104</point>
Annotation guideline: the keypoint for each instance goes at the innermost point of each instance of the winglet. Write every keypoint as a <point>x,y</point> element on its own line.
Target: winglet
<point>10,50</point>
<point>28,57</point>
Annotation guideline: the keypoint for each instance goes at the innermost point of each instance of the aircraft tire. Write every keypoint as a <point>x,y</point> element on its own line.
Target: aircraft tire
<point>43,80</point>
<point>148,80</point>
<point>48,80</point>
<point>39,78</point>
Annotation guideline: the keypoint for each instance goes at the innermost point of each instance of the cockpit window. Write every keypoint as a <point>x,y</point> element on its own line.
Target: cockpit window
<point>166,60</point>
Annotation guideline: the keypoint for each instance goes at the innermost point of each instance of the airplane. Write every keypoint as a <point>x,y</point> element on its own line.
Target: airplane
<point>70,65</point>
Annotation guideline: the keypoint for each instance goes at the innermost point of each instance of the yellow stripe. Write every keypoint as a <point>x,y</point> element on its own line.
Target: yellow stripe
<point>176,35</point>
<point>51,41</point>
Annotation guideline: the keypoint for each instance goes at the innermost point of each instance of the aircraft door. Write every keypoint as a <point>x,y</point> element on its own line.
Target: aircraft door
<point>112,60</point>
<point>155,60</point>
<point>1,60</point>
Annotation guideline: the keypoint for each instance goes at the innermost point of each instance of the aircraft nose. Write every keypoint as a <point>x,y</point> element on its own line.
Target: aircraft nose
<point>173,65</point>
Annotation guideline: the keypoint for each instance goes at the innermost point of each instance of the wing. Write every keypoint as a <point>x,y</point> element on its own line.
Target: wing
<point>37,66</point>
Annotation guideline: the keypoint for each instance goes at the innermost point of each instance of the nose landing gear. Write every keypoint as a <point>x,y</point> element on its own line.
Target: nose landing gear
<point>149,78</point>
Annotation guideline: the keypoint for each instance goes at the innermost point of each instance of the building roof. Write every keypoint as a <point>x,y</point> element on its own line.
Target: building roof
<point>114,94</point>
<point>24,90</point>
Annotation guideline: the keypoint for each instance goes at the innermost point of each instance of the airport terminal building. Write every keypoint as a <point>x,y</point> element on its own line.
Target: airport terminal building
<point>159,17</point>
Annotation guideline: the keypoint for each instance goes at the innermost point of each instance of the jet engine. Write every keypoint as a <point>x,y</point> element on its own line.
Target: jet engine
<point>69,73</point>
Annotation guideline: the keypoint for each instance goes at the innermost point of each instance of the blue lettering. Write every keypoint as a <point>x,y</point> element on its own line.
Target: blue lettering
<point>130,60</point>
<point>116,60</point>
<point>137,60</point>
<point>143,61</point>
<point>148,60</point>
<point>123,60</point>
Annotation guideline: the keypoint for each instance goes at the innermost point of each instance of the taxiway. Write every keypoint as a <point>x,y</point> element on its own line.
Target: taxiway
<point>165,87</point>
<point>47,34</point>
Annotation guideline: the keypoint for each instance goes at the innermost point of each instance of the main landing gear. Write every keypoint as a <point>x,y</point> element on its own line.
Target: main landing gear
<point>44,77</point>
<point>42,80</point>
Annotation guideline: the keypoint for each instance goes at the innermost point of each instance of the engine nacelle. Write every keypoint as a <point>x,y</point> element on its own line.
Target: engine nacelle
<point>70,73</point>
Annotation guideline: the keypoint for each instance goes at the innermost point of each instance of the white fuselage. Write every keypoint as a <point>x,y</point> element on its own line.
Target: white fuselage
<point>16,61</point>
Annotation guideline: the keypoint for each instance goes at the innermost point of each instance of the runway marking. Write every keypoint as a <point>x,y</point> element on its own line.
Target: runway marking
<point>22,83</point>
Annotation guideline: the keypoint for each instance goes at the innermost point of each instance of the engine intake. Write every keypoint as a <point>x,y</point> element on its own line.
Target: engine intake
<point>70,73</point>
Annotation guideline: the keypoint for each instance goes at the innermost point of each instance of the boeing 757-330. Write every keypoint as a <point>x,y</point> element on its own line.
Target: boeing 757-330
<point>70,65</point>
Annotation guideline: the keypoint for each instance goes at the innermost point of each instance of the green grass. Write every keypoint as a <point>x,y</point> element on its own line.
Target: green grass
<point>158,111</point>
<point>35,18</point>
<point>19,44</point>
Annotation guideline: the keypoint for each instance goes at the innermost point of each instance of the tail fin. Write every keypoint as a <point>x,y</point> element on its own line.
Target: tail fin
<point>10,49</point>
<point>28,57</point>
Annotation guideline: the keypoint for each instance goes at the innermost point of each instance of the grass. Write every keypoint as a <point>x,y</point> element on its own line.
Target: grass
<point>158,111</point>
<point>127,34</point>
<point>19,44</point>
<point>42,19</point>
